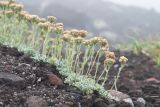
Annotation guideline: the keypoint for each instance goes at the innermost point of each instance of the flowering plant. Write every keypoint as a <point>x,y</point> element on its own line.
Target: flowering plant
<point>73,54</point>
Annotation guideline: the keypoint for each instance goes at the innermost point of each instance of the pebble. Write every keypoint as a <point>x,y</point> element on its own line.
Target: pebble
<point>1,103</point>
<point>141,101</point>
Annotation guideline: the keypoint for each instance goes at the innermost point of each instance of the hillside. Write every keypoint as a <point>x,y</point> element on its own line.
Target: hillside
<point>99,17</point>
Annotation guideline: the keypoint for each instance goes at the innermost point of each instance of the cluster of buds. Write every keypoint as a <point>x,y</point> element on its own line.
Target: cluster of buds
<point>78,33</point>
<point>23,14</point>
<point>42,20</point>
<point>77,37</point>
<point>89,42</point>
<point>110,59</point>
<point>9,14</point>
<point>31,18</point>
<point>51,19</point>
<point>99,40</point>
<point>58,28</point>
<point>103,42</point>
<point>45,26</point>
<point>34,19</point>
<point>12,1</point>
<point>16,7</point>
<point>4,4</point>
<point>123,60</point>
<point>78,40</point>
<point>66,37</point>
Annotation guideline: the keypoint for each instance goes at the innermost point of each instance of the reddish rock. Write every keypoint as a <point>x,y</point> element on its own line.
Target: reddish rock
<point>54,80</point>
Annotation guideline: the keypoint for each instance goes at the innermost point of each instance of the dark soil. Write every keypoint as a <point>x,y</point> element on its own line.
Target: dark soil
<point>25,82</point>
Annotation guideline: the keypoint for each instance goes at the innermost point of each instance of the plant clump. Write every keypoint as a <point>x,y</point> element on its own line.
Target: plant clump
<point>73,54</point>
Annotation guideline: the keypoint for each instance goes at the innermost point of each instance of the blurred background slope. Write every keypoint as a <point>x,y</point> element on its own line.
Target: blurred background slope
<point>117,22</point>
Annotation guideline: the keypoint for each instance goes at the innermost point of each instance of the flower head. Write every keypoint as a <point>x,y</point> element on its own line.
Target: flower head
<point>109,54</point>
<point>51,19</point>
<point>123,60</point>
<point>78,33</point>
<point>4,4</point>
<point>78,40</point>
<point>34,18</point>
<point>9,14</point>
<point>42,20</point>
<point>45,26</point>
<point>66,37</point>
<point>16,7</point>
<point>58,28</point>
<point>94,40</point>
<point>108,62</point>
<point>88,42</point>
<point>102,41</point>
<point>23,14</point>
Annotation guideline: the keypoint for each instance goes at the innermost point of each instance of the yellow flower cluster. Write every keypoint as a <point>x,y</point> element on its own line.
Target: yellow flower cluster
<point>123,60</point>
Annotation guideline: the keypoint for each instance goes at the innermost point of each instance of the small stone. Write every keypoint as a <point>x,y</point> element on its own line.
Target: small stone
<point>23,73</point>
<point>129,101</point>
<point>54,80</point>
<point>11,79</point>
<point>34,68</point>
<point>36,101</point>
<point>123,98</point>
<point>29,87</point>
<point>141,102</point>
<point>39,80</point>
<point>1,103</point>
<point>23,64</point>
<point>116,66</point>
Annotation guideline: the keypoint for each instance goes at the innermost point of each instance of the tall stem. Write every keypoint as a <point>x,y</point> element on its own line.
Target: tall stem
<point>116,78</point>
<point>91,59</point>
<point>94,61</point>
<point>97,67</point>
